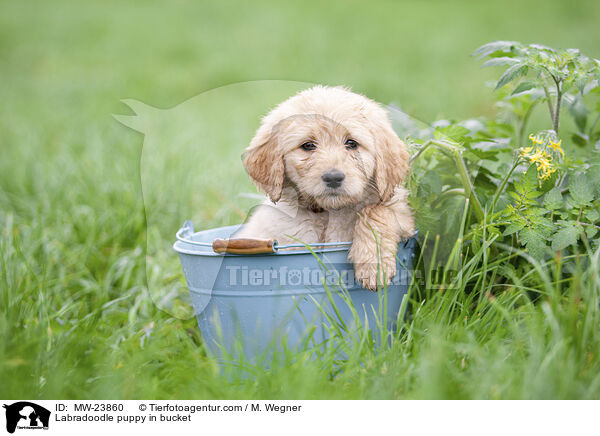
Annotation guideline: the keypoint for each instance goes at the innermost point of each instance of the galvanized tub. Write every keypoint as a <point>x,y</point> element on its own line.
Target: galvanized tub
<point>249,305</point>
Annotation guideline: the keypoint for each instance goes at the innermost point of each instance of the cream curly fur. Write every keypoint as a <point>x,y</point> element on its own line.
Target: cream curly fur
<point>369,207</point>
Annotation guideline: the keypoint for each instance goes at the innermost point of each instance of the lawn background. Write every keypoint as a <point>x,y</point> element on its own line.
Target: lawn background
<point>76,319</point>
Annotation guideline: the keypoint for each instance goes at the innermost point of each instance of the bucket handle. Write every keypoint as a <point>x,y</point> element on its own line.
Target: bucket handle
<point>187,231</point>
<point>244,246</point>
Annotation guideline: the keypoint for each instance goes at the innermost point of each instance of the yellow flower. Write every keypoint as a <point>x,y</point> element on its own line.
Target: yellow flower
<point>526,150</point>
<point>542,160</point>
<point>543,156</point>
<point>537,156</point>
<point>556,147</point>
<point>544,166</point>
<point>535,140</point>
<point>545,173</point>
<point>547,156</point>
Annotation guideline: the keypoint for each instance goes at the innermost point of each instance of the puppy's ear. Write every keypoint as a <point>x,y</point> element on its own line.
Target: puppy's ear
<point>391,161</point>
<point>263,160</point>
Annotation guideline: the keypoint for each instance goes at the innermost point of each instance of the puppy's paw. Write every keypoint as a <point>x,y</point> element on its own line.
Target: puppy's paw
<point>367,273</point>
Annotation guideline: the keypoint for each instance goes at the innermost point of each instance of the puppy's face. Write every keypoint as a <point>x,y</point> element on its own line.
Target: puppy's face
<point>334,146</point>
<point>330,163</point>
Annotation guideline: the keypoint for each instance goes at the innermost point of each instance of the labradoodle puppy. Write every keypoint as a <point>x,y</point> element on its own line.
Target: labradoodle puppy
<point>332,168</point>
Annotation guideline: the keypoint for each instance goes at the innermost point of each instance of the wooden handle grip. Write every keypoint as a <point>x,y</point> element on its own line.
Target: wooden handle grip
<point>243,246</point>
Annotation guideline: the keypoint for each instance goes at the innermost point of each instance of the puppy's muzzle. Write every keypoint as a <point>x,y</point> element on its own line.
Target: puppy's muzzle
<point>333,178</point>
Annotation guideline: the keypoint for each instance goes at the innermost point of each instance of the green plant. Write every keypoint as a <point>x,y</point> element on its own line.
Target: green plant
<point>562,75</point>
<point>536,196</point>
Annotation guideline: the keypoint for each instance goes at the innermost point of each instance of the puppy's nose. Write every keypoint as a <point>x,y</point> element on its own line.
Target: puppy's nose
<point>333,178</point>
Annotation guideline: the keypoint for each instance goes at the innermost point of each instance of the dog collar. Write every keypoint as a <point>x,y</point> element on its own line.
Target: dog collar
<point>312,206</point>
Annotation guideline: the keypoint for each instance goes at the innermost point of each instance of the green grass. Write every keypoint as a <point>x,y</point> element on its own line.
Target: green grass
<point>77,314</point>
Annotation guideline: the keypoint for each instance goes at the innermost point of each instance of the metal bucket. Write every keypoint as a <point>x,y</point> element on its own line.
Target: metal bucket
<point>249,305</point>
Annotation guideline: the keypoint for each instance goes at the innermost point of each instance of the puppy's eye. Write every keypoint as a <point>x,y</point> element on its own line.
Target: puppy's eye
<point>308,146</point>
<point>351,144</point>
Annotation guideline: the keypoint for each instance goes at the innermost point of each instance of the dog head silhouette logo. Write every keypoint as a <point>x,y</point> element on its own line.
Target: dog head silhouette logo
<point>24,414</point>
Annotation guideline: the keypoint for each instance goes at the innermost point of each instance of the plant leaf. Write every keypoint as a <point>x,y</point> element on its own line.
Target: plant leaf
<point>553,199</point>
<point>579,139</point>
<point>512,228</point>
<point>491,47</point>
<point>579,112</point>
<point>529,180</point>
<point>511,74</point>
<point>499,62</point>
<point>581,190</point>
<point>589,86</point>
<point>454,132</point>
<point>592,215</point>
<point>524,86</point>
<point>534,242</point>
<point>565,237</point>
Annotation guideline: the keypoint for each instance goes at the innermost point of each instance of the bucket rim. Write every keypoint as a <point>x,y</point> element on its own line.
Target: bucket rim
<point>185,245</point>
